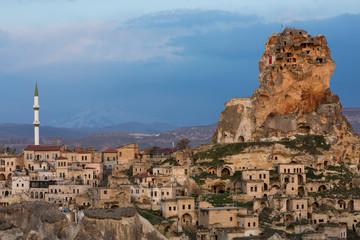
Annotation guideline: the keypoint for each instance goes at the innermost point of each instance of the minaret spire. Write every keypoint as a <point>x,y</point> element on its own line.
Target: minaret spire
<point>36,117</point>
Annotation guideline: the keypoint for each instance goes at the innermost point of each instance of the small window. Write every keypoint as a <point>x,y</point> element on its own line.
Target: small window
<point>105,191</point>
<point>189,206</point>
<point>170,209</point>
<point>230,218</point>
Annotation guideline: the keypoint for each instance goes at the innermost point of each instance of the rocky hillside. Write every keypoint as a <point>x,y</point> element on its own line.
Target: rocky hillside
<point>294,97</point>
<point>40,220</point>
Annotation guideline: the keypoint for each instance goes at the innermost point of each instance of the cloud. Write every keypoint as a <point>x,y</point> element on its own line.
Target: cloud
<point>144,39</point>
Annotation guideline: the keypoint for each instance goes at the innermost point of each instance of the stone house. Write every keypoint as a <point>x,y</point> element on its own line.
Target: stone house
<point>293,178</point>
<point>220,217</point>
<point>110,197</point>
<point>8,164</point>
<point>181,207</point>
<point>20,183</point>
<point>109,159</point>
<point>128,153</point>
<point>38,157</point>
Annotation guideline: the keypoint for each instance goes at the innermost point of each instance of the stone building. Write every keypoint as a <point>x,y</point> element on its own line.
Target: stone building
<point>181,207</point>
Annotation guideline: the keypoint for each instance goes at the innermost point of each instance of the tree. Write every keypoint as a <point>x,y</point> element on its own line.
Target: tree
<point>183,143</point>
<point>150,151</point>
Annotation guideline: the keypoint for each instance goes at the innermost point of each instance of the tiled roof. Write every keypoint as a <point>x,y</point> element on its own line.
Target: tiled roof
<point>83,151</point>
<point>60,158</point>
<point>110,150</point>
<point>142,175</point>
<point>165,150</point>
<point>43,148</point>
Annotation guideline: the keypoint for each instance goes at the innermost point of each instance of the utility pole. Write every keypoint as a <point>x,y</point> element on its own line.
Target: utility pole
<point>300,221</point>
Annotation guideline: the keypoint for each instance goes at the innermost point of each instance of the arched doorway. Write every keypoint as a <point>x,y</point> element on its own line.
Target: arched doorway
<point>2,177</point>
<point>301,191</point>
<point>6,193</point>
<point>351,205</point>
<point>186,219</point>
<point>300,179</point>
<point>278,204</point>
<point>218,188</point>
<point>315,205</point>
<point>225,171</point>
<point>9,176</point>
<point>322,188</point>
<point>288,206</point>
<point>287,179</point>
<point>288,218</point>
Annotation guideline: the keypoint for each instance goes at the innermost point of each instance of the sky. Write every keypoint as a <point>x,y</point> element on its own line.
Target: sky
<point>178,62</point>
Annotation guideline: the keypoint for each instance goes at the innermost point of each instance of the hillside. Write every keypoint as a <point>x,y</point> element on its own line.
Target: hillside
<point>197,135</point>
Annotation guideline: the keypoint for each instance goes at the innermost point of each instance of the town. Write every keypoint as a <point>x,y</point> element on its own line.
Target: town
<point>252,182</point>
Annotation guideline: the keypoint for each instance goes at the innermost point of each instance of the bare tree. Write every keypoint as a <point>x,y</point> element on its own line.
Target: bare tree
<point>183,143</point>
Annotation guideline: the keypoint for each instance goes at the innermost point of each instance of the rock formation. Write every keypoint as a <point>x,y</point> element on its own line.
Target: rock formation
<point>294,95</point>
<point>40,220</point>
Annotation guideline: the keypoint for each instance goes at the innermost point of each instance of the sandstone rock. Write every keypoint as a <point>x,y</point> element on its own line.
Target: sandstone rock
<point>40,220</point>
<point>294,97</point>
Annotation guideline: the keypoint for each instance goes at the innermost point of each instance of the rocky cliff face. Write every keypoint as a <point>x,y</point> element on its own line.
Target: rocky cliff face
<point>294,95</point>
<point>40,220</point>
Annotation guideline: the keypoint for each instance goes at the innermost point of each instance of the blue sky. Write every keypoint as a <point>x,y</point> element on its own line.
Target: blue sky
<point>162,60</point>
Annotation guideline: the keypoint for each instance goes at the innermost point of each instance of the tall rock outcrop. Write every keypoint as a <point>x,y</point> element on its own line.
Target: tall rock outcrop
<point>294,95</point>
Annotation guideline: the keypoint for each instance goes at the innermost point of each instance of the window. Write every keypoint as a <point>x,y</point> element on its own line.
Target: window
<point>105,191</point>
<point>169,208</point>
<point>174,208</point>
<point>248,224</point>
<point>189,206</point>
<point>260,176</point>
<point>251,189</point>
<point>264,176</point>
<point>254,224</point>
<point>230,218</point>
<point>183,206</point>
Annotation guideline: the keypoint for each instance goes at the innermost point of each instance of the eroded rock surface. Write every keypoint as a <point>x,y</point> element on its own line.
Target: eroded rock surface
<point>294,96</point>
<point>40,220</point>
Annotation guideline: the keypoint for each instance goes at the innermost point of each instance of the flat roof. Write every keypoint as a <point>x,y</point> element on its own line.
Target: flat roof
<point>223,208</point>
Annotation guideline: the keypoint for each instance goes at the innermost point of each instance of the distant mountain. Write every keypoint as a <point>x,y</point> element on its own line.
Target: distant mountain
<point>101,116</point>
<point>353,115</point>
<point>8,130</point>
<point>197,135</point>
<point>20,135</point>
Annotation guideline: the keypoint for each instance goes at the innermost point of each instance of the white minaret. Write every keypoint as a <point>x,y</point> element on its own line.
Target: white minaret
<point>36,116</point>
